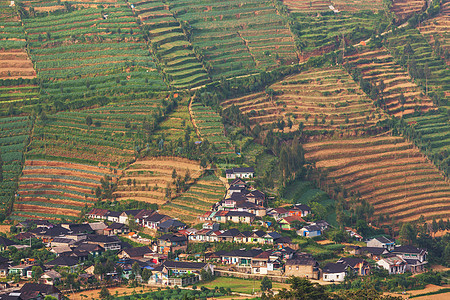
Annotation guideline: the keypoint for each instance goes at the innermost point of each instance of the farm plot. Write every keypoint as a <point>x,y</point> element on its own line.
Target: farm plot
<point>208,125</point>
<point>398,95</point>
<point>206,191</point>
<point>253,37</point>
<point>358,5</point>
<point>437,32</point>
<point>151,180</point>
<point>90,53</point>
<point>405,9</point>
<point>14,136</point>
<point>307,6</point>
<point>323,33</point>
<point>173,128</point>
<point>434,133</point>
<point>388,172</point>
<point>110,135</point>
<point>14,60</point>
<point>60,187</point>
<point>168,40</point>
<point>437,81</point>
<point>320,99</point>
<point>17,84</point>
<point>314,6</point>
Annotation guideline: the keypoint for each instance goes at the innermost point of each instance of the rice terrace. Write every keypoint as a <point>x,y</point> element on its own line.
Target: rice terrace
<point>167,105</point>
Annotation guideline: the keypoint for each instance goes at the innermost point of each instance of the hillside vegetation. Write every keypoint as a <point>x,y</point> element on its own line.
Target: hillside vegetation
<point>389,172</point>
<point>318,99</point>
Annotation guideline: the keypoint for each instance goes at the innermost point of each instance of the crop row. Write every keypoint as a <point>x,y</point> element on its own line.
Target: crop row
<point>390,174</point>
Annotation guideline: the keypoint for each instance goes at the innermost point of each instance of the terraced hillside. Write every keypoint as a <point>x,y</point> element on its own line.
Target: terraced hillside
<point>89,53</point>
<point>14,137</point>
<point>323,33</point>
<point>170,44</point>
<point>422,55</point>
<point>378,66</point>
<point>321,99</point>
<point>56,190</point>
<point>253,37</point>
<point>436,30</point>
<point>432,134</point>
<point>388,172</point>
<point>307,6</point>
<point>358,5</point>
<point>17,87</point>
<point>208,125</point>
<point>173,128</point>
<point>110,135</point>
<point>148,179</point>
<point>197,200</point>
<point>404,9</point>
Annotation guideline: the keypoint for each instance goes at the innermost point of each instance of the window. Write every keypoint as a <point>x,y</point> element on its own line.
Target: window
<point>297,268</point>
<point>337,276</point>
<point>326,276</point>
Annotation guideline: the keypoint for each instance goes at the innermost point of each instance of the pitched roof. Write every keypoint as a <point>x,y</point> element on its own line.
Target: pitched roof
<point>23,236</point>
<point>155,218</point>
<point>89,247</point>
<point>97,226</point>
<point>238,181</point>
<point>52,274</point>
<point>172,238</point>
<point>301,207</point>
<point>291,219</point>
<point>116,225</point>
<point>383,239</point>
<point>114,214</point>
<point>373,250</point>
<point>171,223</point>
<point>98,212</point>
<point>239,214</point>
<point>45,289</point>
<point>144,213</point>
<point>102,238</point>
<point>243,253</point>
<point>312,228</point>
<point>230,233</point>
<point>244,170</point>
<point>302,261</point>
<point>63,260</point>
<point>352,261</point>
<point>280,210</point>
<point>138,251</point>
<point>408,249</point>
<point>334,268</point>
<point>183,265</point>
<point>6,242</point>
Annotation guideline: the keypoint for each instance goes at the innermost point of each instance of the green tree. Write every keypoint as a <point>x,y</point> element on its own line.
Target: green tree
<point>408,234</point>
<point>266,284</point>
<point>37,272</point>
<point>1,167</point>
<point>89,121</point>
<point>105,294</point>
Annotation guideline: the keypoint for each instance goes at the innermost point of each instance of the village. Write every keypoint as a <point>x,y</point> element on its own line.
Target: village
<point>109,250</point>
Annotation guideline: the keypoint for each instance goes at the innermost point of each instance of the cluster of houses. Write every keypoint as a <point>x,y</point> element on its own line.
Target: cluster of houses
<point>142,217</point>
<point>394,259</point>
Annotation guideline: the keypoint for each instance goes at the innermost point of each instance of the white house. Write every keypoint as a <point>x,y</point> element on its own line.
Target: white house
<point>393,264</point>
<point>310,231</point>
<point>334,272</point>
<point>240,173</point>
<point>381,242</point>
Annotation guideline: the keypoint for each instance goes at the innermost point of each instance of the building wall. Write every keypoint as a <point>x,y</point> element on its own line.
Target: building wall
<point>301,271</point>
<point>334,276</point>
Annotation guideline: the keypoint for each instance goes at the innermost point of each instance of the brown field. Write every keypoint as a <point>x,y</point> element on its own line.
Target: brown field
<point>388,172</point>
<point>16,64</point>
<point>379,65</point>
<point>439,26</point>
<point>404,9</point>
<point>152,176</point>
<point>307,6</point>
<point>321,99</point>
<point>56,182</point>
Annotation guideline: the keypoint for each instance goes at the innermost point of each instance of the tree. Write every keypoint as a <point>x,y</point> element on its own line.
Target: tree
<point>89,121</point>
<point>105,294</point>
<point>408,234</point>
<point>37,272</point>
<point>266,284</point>
<point>174,174</point>
<point>136,269</point>
<point>303,289</point>
<point>1,167</point>
<point>146,273</point>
